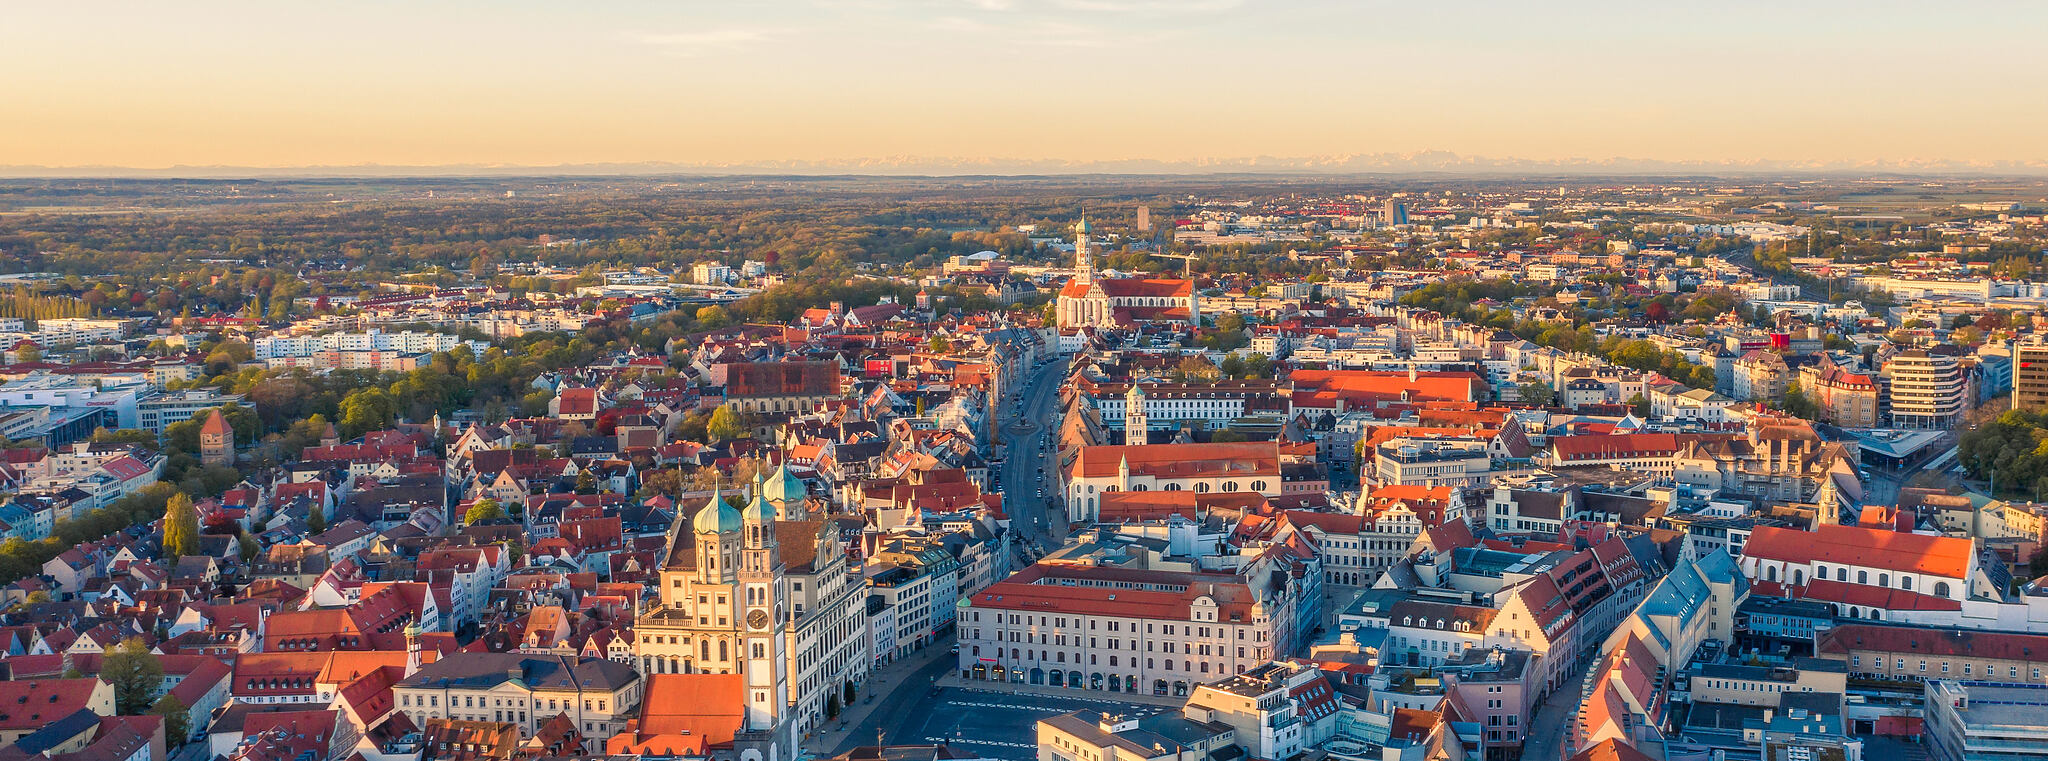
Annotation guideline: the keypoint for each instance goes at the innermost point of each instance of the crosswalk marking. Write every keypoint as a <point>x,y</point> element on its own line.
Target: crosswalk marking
<point>1009,706</point>
<point>967,741</point>
<point>1081,698</point>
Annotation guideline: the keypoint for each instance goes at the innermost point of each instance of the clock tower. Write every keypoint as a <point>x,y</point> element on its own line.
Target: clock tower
<point>765,604</point>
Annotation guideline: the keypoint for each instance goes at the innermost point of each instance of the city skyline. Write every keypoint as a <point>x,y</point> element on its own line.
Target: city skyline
<point>1022,85</point>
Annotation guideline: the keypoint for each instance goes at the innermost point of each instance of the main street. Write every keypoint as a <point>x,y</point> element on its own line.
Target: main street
<point>904,703</point>
<point>1029,489</point>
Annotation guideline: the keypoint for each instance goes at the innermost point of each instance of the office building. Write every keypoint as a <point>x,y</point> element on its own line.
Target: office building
<point>1925,390</point>
<point>1968,721</point>
<point>2030,377</point>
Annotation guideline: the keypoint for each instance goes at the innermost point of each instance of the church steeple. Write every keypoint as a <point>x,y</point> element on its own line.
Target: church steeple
<point>1135,422</point>
<point>1084,262</point>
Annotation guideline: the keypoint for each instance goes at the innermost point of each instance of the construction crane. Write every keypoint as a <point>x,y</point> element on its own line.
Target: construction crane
<point>1187,262</point>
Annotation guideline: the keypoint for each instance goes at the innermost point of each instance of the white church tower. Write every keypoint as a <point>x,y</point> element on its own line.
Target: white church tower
<point>1135,422</point>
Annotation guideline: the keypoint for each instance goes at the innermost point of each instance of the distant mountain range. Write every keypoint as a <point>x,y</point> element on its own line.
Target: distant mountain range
<point>1424,162</point>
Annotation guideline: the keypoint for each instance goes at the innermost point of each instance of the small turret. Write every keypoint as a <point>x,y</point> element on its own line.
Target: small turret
<point>412,648</point>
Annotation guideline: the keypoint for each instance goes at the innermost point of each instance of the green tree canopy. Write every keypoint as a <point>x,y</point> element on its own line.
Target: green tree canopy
<point>725,425</point>
<point>365,410</point>
<point>135,674</point>
<point>177,719</point>
<point>181,527</point>
<point>1536,392</point>
<point>485,509</point>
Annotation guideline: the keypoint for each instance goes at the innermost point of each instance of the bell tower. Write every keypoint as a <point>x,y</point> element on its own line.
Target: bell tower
<point>1135,422</point>
<point>764,608</point>
<point>1084,262</point>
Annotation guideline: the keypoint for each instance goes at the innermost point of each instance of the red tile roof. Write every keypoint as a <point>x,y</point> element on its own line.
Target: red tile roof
<point>1943,556</point>
<point>1120,506</point>
<point>28,705</point>
<point>2008,646</point>
<point>1367,387</point>
<point>577,401</point>
<point>1170,461</point>
<point>1841,593</point>
<point>1570,448</point>
<point>1610,749</point>
<point>1022,592</point>
<point>684,714</point>
<point>749,379</point>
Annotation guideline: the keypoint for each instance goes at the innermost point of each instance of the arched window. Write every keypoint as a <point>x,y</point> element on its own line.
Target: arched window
<point>1798,578</point>
<point>1230,486</point>
<point>1201,488</point>
<point>1841,574</point>
<point>1884,579</point>
<point>1771,573</point>
<point>1941,589</point>
<point>1173,487</point>
<point>1906,583</point>
<point>1139,487</point>
<point>1863,577</point>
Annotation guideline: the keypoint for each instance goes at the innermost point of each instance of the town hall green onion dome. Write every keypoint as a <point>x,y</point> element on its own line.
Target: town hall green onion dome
<point>784,487</point>
<point>717,517</point>
<point>759,510</point>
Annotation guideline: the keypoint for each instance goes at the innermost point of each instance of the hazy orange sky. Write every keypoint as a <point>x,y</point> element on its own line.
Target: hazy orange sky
<point>427,82</point>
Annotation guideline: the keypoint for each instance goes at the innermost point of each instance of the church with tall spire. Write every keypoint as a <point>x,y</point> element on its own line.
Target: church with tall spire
<point>1106,302</point>
<point>762,591</point>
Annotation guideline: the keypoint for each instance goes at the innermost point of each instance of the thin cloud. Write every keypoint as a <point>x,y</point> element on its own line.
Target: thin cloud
<point>1150,6</point>
<point>958,25</point>
<point>707,41</point>
<point>1064,36</point>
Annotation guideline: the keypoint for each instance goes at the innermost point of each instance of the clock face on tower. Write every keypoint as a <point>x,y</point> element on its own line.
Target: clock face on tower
<point>758,619</point>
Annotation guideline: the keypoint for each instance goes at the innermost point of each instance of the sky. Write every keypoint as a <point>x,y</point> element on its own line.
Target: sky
<point>284,83</point>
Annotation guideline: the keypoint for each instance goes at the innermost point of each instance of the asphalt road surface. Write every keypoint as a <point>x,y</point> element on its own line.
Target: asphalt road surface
<point>993,725</point>
<point>1026,490</point>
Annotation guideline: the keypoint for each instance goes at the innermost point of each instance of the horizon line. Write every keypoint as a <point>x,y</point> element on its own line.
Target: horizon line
<point>1428,162</point>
